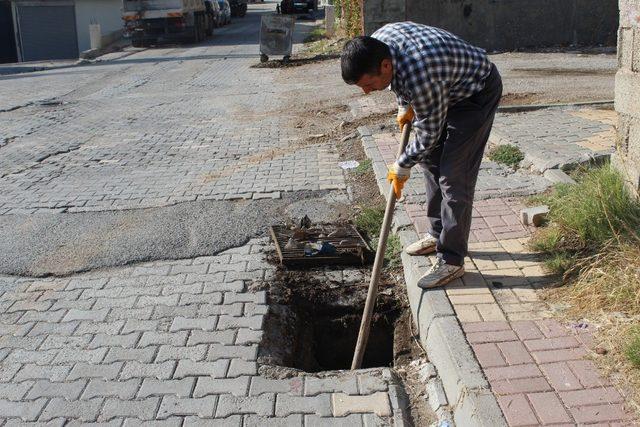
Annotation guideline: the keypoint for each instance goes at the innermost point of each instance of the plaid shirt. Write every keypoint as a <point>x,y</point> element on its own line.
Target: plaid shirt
<point>432,70</point>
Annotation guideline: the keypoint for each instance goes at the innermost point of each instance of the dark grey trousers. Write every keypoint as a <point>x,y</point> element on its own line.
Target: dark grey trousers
<point>451,169</point>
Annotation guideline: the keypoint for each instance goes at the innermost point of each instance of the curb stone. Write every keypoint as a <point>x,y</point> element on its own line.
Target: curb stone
<point>439,332</point>
<point>398,399</point>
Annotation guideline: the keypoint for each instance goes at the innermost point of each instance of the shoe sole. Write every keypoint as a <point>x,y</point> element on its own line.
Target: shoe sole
<point>423,251</point>
<point>442,281</point>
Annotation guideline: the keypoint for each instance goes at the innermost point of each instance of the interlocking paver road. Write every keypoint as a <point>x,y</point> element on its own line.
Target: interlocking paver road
<point>172,342</point>
<point>159,127</point>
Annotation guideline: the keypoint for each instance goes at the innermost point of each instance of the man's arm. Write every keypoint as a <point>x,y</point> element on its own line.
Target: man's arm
<point>430,102</point>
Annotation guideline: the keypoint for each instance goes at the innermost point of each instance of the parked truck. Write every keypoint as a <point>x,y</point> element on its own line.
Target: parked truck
<point>238,7</point>
<point>152,21</point>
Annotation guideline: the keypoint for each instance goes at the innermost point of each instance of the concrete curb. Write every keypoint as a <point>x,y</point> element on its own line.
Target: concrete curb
<point>440,333</point>
<point>533,107</point>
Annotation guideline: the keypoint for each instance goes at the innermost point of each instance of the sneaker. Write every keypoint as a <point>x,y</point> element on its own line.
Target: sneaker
<point>440,274</point>
<point>424,246</point>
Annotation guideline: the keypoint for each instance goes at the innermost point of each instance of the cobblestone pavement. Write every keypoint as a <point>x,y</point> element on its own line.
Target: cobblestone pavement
<point>173,342</point>
<point>538,367</point>
<point>146,130</point>
<point>170,341</point>
<point>494,180</point>
<point>557,137</point>
<point>550,138</point>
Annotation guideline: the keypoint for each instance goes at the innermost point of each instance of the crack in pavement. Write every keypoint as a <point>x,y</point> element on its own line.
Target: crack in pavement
<point>40,160</point>
<point>17,107</point>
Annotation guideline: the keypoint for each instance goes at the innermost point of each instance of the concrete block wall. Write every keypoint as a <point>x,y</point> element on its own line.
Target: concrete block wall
<point>627,93</point>
<point>498,25</point>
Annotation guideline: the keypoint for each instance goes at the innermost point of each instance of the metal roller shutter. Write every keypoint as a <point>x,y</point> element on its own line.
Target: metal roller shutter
<point>7,37</point>
<point>47,32</point>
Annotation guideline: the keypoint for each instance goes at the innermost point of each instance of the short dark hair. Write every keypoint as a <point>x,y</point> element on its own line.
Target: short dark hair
<point>362,55</point>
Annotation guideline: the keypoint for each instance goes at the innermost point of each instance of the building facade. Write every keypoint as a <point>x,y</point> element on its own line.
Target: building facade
<point>59,29</point>
<point>501,25</point>
<point>627,157</point>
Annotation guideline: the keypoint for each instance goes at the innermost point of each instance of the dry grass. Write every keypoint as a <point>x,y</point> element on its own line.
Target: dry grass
<point>613,336</point>
<point>593,242</point>
<point>609,280</point>
<point>606,294</point>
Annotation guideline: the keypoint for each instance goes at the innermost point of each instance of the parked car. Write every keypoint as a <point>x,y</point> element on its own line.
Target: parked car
<point>298,6</point>
<point>225,12</point>
<point>238,7</point>
<point>214,8</point>
<point>212,16</point>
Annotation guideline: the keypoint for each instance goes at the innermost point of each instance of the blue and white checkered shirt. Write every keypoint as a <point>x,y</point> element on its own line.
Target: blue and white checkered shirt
<point>432,70</point>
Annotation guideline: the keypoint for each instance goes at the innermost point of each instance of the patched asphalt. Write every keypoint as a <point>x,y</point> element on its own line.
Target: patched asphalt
<point>63,243</point>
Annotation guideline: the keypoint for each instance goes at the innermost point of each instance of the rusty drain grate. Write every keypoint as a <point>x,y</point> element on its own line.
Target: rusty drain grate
<point>348,246</point>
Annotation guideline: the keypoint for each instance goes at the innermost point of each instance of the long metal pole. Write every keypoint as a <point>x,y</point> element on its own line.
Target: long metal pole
<point>372,294</point>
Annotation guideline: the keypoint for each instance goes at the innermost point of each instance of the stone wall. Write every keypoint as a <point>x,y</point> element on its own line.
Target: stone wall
<point>627,157</point>
<point>506,25</point>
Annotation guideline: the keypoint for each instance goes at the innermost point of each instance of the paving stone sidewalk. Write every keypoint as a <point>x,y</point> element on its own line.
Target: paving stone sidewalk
<point>550,138</point>
<point>557,138</point>
<point>539,368</point>
<point>494,180</point>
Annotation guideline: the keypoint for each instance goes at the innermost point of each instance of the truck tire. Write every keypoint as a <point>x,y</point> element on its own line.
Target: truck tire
<point>209,31</point>
<point>137,42</point>
<point>197,30</point>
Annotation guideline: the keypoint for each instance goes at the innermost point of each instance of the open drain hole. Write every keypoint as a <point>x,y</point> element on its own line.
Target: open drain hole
<point>313,324</point>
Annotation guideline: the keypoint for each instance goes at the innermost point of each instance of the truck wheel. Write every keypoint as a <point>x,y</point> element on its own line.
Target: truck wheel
<point>137,42</point>
<point>243,10</point>
<point>198,29</point>
<point>263,57</point>
<point>209,31</point>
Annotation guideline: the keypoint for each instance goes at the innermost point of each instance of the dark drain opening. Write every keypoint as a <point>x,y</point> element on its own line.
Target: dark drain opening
<point>313,325</point>
<point>328,342</point>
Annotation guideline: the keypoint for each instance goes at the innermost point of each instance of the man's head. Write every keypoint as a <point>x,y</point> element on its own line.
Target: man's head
<point>366,62</point>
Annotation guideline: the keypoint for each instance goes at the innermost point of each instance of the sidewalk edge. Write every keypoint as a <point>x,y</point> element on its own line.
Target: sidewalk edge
<point>440,333</point>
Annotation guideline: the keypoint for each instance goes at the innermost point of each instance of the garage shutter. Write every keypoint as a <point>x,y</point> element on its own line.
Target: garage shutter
<point>47,32</point>
<point>7,37</point>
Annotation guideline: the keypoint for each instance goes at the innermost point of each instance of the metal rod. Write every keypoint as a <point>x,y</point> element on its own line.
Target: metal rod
<point>372,294</point>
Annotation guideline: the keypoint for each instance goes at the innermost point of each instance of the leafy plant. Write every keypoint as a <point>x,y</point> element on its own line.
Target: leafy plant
<point>506,154</point>
<point>369,220</point>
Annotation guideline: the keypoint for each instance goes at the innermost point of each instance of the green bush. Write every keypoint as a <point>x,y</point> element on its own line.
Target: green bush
<point>349,13</point>
<point>596,209</point>
<point>506,154</point>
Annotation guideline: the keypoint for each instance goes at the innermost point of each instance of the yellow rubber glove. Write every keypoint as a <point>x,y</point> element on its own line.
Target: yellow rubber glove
<point>398,175</point>
<point>405,115</point>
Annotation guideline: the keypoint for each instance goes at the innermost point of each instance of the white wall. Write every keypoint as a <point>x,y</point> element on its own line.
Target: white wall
<point>107,13</point>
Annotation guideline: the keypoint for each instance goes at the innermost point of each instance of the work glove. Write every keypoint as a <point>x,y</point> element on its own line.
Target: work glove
<point>398,175</point>
<point>405,115</point>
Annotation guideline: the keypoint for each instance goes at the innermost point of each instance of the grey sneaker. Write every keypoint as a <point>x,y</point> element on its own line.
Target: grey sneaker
<point>440,274</point>
<point>424,246</point>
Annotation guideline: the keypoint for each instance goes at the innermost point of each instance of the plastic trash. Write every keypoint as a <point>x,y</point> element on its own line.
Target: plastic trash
<point>349,164</point>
